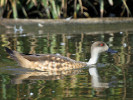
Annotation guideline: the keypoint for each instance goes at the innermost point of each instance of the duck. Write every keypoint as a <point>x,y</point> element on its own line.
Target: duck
<point>53,62</point>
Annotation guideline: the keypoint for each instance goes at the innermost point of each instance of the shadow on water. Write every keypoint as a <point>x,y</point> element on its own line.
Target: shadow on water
<point>111,78</point>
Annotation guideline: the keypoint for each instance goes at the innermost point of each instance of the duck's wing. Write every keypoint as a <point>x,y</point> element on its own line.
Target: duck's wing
<point>54,62</point>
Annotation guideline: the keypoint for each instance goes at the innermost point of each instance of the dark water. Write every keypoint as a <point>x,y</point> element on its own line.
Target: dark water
<point>114,72</point>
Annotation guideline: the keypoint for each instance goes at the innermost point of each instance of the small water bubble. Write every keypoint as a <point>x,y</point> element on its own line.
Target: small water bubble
<point>23,35</point>
<point>73,54</point>
<point>40,25</point>
<point>57,54</point>
<point>21,29</point>
<point>31,93</point>
<point>68,37</point>
<point>53,91</point>
<point>124,45</point>
<point>121,32</point>
<point>69,18</point>
<point>62,43</point>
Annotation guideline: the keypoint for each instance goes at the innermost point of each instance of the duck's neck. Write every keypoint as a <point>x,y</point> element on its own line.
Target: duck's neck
<point>93,59</point>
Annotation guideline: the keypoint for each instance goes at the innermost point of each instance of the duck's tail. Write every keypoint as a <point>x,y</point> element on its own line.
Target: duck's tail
<point>18,57</point>
<point>11,53</point>
<point>14,54</point>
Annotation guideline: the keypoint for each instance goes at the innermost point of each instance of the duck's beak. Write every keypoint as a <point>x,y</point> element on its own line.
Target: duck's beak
<point>111,51</point>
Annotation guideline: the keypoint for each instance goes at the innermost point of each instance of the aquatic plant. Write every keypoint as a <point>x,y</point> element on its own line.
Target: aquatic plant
<point>64,8</point>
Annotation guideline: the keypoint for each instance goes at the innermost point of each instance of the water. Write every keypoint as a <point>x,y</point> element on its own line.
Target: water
<point>110,79</point>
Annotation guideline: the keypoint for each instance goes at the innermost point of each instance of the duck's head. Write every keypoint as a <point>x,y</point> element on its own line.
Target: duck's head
<point>97,48</point>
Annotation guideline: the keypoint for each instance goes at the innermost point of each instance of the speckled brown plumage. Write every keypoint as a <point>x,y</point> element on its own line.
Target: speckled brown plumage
<point>46,62</point>
<point>53,62</point>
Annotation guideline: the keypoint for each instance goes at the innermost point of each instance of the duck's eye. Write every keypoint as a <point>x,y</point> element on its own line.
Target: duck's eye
<point>101,44</point>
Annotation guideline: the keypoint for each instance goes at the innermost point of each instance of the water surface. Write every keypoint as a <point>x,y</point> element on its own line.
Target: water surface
<point>110,79</point>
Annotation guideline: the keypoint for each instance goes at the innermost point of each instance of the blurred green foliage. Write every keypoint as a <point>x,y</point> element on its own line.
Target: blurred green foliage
<point>65,8</point>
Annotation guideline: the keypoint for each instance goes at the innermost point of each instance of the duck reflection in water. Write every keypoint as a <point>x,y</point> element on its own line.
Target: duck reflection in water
<point>59,75</point>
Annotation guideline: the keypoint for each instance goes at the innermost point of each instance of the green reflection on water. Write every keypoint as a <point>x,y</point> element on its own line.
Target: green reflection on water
<point>113,69</point>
